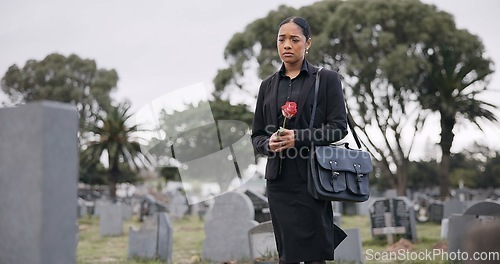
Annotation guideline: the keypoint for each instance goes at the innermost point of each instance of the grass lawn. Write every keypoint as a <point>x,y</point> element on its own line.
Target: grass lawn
<point>189,234</point>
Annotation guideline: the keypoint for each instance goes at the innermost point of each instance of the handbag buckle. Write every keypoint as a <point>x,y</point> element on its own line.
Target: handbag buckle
<point>335,174</point>
<point>357,167</point>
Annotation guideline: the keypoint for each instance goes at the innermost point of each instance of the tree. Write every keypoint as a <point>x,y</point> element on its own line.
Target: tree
<point>457,75</point>
<point>115,139</point>
<point>382,49</point>
<point>65,79</point>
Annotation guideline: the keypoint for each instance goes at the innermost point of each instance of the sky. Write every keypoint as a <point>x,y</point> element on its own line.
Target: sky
<point>159,46</point>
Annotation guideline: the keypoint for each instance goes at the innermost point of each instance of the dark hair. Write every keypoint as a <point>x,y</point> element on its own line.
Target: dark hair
<point>299,21</point>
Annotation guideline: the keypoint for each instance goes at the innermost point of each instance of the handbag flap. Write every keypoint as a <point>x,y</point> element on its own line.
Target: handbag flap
<point>344,159</point>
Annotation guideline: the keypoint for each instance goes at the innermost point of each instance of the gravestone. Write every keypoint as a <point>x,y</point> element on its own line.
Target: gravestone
<point>111,220</point>
<point>389,216</point>
<point>350,250</point>
<point>232,216</point>
<point>453,207</point>
<point>436,211</point>
<point>126,211</point>
<point>153,240</point>
<point>260,205</point>
<point>379,208</point>
<point>178,206</point>
<point>262,242</point>
<point>404,215</point>
<point>486,208</point>
<point>474,216</point>
<point>142,242</point>
<point>364,207</point>
<point>165,237</point>
<point>38,183</point>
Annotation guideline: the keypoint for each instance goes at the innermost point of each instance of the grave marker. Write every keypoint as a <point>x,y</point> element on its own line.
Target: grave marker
<point>38,183</point>
<point>232,216</point>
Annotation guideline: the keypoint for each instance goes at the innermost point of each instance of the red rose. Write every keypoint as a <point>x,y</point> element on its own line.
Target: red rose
<point>289,109</point>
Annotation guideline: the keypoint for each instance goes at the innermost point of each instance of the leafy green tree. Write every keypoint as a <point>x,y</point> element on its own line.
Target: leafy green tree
<point>384,49</point>
<point>457,75</point>
<point>116,140</point>
<point>65,79</point>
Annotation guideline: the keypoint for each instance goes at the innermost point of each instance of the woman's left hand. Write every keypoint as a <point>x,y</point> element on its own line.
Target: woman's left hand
<point>286,139</point>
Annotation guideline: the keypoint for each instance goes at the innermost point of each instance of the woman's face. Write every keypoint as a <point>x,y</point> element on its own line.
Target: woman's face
<point>292,43</point>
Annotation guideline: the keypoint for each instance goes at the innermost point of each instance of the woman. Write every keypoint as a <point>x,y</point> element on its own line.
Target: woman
<point>303,226</point>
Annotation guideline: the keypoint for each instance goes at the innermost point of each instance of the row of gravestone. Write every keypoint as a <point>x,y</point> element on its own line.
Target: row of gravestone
<point>232,232</point>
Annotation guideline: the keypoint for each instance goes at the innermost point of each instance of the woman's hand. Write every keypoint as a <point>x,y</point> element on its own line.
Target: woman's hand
<point>281,141</point>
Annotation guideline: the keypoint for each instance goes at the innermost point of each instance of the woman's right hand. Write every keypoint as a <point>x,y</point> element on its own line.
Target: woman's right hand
<point>280,141</point>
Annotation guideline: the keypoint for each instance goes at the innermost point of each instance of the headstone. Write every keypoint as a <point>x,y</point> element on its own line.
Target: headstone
<point>165,237</point>
<point>390,193</point>
<point>126,211</point>
<point>111,220</point>
<point>98,206</point>
<point>260,205</point>
<point>364,207</point>
<point>153,240</point>
<point>453,207</point>
<point>349,208</point>
<point>379,208</point>
<point>262,242</point>
<point>226,231</point>
<point>38,183</point>
<point>350,250</point>
<point>389,216</point>
<point>486,208</point>
<point>475,216</point>
<point>436,211</point>
<point>444,228</point>
<point>178,206</point>
<point>404,215</point>
<point>142,242</point>
<point>458,225</point>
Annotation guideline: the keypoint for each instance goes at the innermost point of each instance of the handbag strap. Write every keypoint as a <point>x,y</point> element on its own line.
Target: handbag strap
<point>350,121</point>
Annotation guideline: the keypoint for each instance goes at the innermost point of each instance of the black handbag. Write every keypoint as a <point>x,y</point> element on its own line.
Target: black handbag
<point>338,173</point>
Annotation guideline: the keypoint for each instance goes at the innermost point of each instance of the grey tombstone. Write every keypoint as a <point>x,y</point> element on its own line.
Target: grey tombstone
<point>262,242</point>
<point>142,243</point>
<point>404,215</point>
<point>390,216</point>
<point>379,208</point>
<point>111,220</point>
<point>474,216</point>
<point>98,206</point>
<point>153,240</point>
<point>38,183</point>
<point>391,193</point>
<point>165,237</point>
<point>364,207</point>
<point>178,206</point>
<point>453,207</point>
<point>126,211</point>
<point>486,208</point>
<point>458,225</point>
<point>350,250</point>
<point>227,228</point>
<point>436,209</point>
<point>260,205</point>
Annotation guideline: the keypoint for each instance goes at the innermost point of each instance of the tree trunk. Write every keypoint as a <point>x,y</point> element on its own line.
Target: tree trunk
<point>447,124</point>
<point>402,182</point>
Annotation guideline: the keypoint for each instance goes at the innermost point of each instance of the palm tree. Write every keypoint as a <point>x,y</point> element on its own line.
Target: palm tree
<point>457,75</point>
<point>115,138</point>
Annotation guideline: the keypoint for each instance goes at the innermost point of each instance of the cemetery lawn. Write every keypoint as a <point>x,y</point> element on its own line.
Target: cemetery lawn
<point>189,234</point>
<point>92,248</point>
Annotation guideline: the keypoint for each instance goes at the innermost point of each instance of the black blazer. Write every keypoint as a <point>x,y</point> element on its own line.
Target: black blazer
<point>330,123</point>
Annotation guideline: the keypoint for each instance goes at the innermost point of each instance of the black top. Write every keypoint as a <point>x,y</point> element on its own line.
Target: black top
<point>289,90</point>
